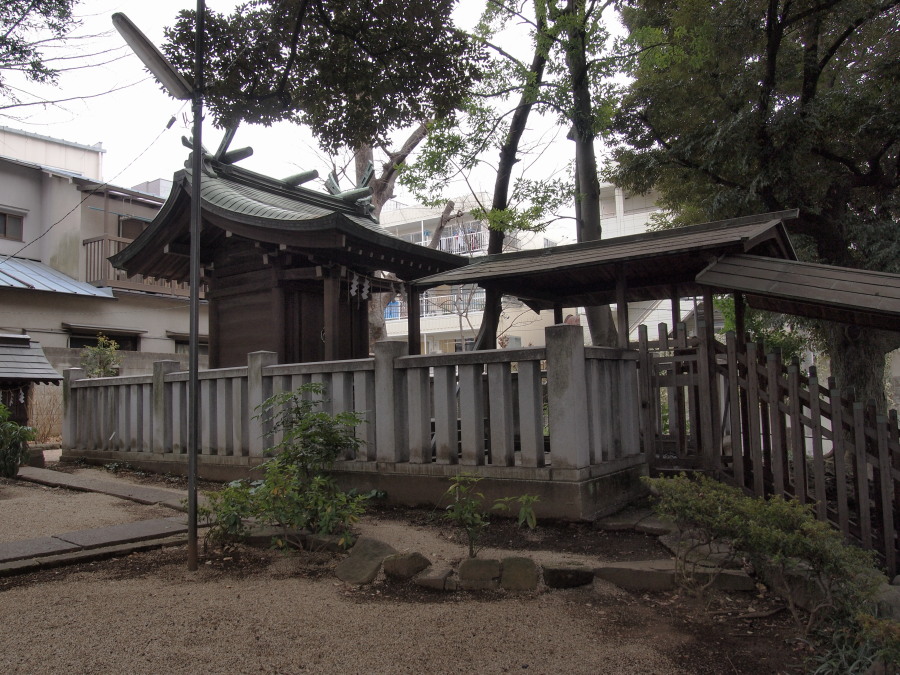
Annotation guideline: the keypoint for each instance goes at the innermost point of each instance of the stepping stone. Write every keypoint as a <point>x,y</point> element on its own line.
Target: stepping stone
<point>476,574</point>
<point>34,548</point>
<point>567,576</point>
<point>519,574</point>
<point>659,575</point>
<point>624,520</point>
<point>364,561</point>
<point>656,526</point>
<point>405,565</point>
<point>141,530</point>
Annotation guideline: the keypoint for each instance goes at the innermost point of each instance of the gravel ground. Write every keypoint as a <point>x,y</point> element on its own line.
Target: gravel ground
<point>248,611</point>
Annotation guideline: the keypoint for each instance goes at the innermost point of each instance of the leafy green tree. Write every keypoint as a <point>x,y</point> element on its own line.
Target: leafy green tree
<point>349,69</point>
<point>738,107</point>
<point>26,29</point>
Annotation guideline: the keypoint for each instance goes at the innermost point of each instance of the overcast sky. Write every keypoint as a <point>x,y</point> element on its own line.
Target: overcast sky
<point>130,121</point>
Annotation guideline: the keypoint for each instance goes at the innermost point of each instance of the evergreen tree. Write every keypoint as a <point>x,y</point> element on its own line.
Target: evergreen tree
<point>744,106</point>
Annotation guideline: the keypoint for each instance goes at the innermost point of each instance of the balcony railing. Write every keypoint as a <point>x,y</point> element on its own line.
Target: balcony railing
<point>100,272</point>
<point>461,303</point>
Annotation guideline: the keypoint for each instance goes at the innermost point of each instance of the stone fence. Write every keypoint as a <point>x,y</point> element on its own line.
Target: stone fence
<point>560,421</point>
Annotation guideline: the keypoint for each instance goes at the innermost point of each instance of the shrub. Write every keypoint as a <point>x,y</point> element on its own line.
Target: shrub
<point>803,559</point>
<point>13,444</point>
<point>103,360</point>
<point>467,510</point>
<point>294,493</point>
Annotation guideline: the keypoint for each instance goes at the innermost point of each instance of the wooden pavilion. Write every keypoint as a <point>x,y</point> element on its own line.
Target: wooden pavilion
<point>287,269</point>
<point>751,257</point>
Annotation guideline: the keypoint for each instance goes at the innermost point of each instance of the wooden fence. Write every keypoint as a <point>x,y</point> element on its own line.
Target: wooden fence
<point>774,431</point>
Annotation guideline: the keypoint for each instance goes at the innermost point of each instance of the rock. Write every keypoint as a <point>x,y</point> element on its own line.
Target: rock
<point>519,574</point>
<point>436,579</point>
<point>567,576</point>
<point>655,526</point>
<point>896,581</point>
<point>477,574</point>
<point>364,561</point>
<point>405,565</point>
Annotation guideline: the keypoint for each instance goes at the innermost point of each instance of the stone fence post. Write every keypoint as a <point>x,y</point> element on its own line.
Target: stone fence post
<point>390,402</point>
<point>259,434</point>
<point>70,438</point>
<point>567,397</point>
<point>162,406</point>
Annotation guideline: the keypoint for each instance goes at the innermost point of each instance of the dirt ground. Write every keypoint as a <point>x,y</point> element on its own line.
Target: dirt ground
<point>261,611</point>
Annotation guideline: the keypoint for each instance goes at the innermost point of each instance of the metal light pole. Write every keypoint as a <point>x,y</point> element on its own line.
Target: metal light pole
<point>179,88</point>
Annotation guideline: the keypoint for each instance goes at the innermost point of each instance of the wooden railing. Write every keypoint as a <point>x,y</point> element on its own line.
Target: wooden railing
<point>773,431</point>
<point>100,272</point>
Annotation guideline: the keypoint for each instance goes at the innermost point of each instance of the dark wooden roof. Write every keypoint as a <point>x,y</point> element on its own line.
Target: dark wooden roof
<point>841,294</point>
<point>653,265</point>
<point>277,217</point>
<point>22,360</point>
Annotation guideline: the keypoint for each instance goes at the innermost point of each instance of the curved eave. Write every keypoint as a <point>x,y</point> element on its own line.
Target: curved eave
<point>344,237</point>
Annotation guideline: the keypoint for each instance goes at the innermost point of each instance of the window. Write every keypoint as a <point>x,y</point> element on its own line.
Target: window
<point>131,228</point>
<point>10,226</point>
<point>127,343</point>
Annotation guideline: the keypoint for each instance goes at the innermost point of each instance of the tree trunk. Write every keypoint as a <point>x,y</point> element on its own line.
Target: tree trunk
<point>587,194</point>
<point>487,334</point>
<point>858,361</point>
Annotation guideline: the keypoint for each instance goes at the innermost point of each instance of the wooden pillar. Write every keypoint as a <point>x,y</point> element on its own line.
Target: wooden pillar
<point>414,323</point>
<point>621,308</point>
<point>676,308</point>
<point>332,314</point>
<point>557,314</point>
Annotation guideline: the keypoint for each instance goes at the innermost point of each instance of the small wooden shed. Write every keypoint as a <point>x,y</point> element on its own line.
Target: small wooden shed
<point>287,269</point>
<point>22,364</point>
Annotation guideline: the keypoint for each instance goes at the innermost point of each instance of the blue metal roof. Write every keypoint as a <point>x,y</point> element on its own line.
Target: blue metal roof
<point>34,276</point>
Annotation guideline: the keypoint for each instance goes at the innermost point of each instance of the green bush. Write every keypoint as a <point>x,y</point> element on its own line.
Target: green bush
<point>468,512</point>
<point>13,444</point>
<point>803,559</point>
<point>294,493</point>
<point>103,360</point>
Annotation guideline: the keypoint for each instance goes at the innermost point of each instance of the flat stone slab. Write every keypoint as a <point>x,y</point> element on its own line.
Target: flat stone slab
<point>34,548</point>
<point>656,526</point>
<point>660,575</point>
<point>364,561</point>
<point>119,534</point>
<point>624,520</point>
<point>136,493</point>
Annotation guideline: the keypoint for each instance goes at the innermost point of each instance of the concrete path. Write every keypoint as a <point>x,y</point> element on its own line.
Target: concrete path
<point>81,545</point>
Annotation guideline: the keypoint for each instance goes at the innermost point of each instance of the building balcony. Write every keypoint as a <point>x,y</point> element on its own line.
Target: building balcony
<point>100,272</point>
<point>465,302</point>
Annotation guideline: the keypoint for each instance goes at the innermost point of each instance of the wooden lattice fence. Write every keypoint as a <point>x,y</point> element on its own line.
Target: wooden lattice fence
<point>769,428</point>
